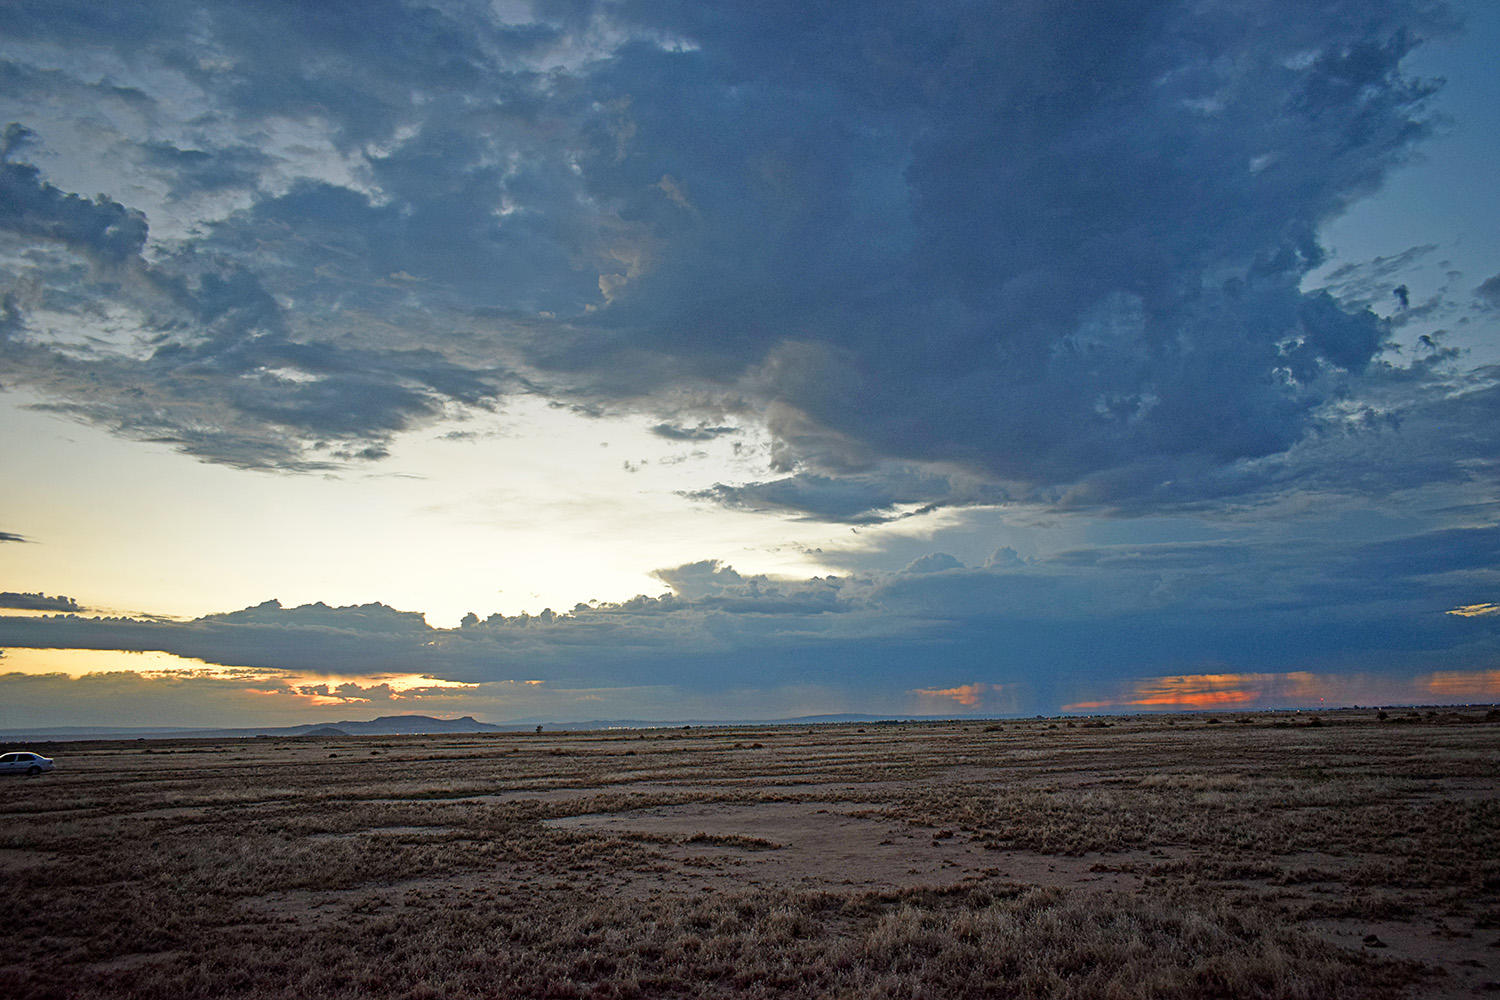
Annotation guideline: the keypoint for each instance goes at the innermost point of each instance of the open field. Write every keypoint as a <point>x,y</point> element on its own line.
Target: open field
<point>1148,857</point>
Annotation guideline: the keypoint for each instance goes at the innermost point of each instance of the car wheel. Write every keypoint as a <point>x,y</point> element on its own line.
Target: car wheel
<point>33,771</point>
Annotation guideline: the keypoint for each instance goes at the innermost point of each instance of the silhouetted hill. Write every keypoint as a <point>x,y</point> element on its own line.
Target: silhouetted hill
<point>386,725</point>
<point>391,725</point>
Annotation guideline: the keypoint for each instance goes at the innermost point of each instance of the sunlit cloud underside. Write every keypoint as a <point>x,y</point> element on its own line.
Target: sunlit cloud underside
<point>197,692</point>
<point>663,360</point>
<point>287,686</point>
<point>1298,689</point>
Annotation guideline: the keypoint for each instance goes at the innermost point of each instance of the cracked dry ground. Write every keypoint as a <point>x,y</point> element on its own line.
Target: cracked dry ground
<point>1153,857</point>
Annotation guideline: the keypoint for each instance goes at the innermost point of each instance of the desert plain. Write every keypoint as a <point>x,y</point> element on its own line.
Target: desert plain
<point>1189,856</point>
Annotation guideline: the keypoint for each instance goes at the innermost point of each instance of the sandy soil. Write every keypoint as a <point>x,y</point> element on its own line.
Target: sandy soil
<point>821,845</point>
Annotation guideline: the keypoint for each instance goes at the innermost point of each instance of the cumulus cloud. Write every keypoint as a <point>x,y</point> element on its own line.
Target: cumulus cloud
<point>1355,594</point>
<point>37,602</point>
<point>1004,558</point>
<point>933,562</point>
<point>376,618</point>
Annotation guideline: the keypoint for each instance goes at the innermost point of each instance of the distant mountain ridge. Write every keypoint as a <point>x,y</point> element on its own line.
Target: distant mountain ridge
<point>393,725</point>
<point>409,725</point>
<point>386,725</point>
<point>418,725</point>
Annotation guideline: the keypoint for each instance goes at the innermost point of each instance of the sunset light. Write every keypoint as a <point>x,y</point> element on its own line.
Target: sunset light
<point>706,362</point>
<point>512,499</point>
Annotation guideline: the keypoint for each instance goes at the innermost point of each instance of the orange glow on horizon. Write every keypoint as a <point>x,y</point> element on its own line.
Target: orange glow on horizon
<point>1187,691</point>
<point>1199,699</point>
<point>1464,683</point>
<point>312,689</point>
<point>1296,688</point>
<point>1197,691</point>
<point>966,695</point>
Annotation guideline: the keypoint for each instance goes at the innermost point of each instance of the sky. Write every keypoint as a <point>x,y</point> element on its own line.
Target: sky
<point>655,360</point>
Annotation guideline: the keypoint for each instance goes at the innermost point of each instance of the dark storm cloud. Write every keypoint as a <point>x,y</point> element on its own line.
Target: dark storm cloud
<point>1046,245</point>
<point>1058,247</point>
<point>11,536</point>
<point>1425,425</point>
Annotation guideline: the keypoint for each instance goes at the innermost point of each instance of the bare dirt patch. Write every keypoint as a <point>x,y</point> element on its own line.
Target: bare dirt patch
<point>822,845</point>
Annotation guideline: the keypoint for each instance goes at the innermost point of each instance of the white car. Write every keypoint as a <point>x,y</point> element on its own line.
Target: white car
<point>24,762</point>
